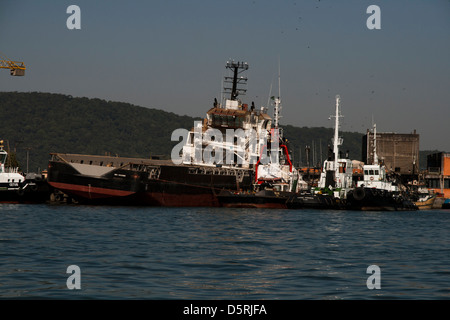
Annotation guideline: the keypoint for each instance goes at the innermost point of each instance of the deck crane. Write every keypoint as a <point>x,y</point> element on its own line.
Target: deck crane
<point>17,68</point>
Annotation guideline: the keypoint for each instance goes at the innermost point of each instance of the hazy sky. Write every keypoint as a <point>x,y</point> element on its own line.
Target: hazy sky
<point>171,55</point>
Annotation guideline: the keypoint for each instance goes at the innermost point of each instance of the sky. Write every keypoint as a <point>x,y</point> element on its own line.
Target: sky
<point>171,55</point>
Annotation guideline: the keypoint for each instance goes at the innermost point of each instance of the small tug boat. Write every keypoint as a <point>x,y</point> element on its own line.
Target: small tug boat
<point>16,188</point>
<point>374,199</point>
<point>378,191</point>
<point>336,178</point>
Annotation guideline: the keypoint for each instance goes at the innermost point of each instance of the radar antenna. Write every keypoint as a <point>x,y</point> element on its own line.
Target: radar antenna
<point>235,81</point>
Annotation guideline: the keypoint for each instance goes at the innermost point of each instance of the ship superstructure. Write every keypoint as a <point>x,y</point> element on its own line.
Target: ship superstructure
<point>277,171</point>
<point>232,134</point>
<point>337,172</point>
<point>275,177</point>
<point>375,174</point>
<point>10,178</point>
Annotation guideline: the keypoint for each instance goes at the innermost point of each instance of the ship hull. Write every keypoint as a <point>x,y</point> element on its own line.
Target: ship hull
<point>170,185</point>
<point>28,193</point>
<point>262,199</point>
<point>313,201</point>
<point>371,199</point>
<point>426,204</point>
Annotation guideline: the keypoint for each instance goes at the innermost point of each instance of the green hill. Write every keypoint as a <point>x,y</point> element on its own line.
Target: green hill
<point>41,123</point>
<point>48,123</point>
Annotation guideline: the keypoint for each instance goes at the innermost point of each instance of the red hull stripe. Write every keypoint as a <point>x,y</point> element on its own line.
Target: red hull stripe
<point>90,192</point>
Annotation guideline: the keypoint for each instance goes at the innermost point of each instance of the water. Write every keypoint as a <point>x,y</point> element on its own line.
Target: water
<point>216,253</point>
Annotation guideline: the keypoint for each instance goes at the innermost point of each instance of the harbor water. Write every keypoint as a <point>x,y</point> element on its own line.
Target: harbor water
<point>218,253</point>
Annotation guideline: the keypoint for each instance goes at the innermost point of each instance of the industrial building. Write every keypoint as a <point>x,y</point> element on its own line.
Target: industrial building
<point>399,152</point>
<point>438,173</point>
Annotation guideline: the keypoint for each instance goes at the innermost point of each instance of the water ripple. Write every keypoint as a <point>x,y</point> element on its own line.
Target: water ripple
<point>214,253</point>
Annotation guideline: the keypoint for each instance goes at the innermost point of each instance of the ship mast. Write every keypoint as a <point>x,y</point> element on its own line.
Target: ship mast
<point>276,131</point>
<point>337,141</point>
<point>235,81</point>
<point>277,101</point>
<point>375,156</point>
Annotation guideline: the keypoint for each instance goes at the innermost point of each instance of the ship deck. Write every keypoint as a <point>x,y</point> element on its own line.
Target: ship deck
<point>127,162</point>
<point>107,161</point>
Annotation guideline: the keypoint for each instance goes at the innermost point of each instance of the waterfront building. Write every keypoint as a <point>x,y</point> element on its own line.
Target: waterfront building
<point>437,177</point>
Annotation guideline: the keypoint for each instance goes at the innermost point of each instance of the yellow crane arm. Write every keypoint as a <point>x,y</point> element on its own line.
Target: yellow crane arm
<point>17,68</point>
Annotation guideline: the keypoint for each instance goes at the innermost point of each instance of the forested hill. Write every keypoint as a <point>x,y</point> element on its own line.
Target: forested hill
<point>49,123</point>
<point>43,123</point>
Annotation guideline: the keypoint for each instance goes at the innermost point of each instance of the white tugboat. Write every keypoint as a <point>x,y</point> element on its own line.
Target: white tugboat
<point>336,178</point>
<point>337,173</point>
<point>10,178</point>
<point>375,175</point>
<point>16,188</point>
<point>377,191</point>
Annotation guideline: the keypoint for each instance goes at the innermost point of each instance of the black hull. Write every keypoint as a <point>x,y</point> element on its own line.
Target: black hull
<point>34,193</point>
<point>371,199</point>
<point>178,186</point>
<point>263,199</point>
<point>313,201</point>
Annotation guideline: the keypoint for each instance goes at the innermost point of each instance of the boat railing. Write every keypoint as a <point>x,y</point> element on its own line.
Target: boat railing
<point>11,170</point>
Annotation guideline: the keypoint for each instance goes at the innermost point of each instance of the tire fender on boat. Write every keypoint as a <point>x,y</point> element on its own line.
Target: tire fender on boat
<point>359,193</point>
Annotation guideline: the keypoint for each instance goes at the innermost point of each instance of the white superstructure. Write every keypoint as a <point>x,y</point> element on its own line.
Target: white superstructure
<point>375,175</point>
<point>232,134</point>
<point>10,178</point>
<point>337,173</point>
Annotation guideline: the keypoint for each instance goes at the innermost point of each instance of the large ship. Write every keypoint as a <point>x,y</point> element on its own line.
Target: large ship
<point>219,153</point>
<point>275,176</point>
